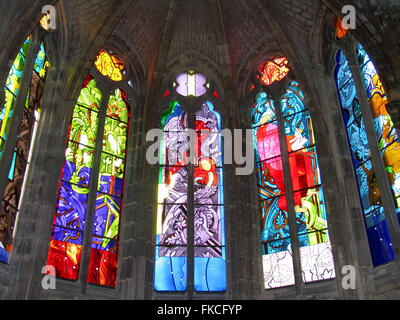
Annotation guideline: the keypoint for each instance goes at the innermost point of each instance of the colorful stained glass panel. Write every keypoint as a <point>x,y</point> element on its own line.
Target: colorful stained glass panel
<point>374,215</point>
<point>70,216</point>
<point>107,216</point>
<point>83,128</point>
<point>11,91</point>
<point>298,130</point>
<point>388,137</point>
<point>173,185</point>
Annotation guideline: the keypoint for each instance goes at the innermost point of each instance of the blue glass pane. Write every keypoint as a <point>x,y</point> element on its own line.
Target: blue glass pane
<point>170,273</point>
<point>4,255</point>
<point>293,101</point>
<point>263,111</point>
<point>106,244</point>
<point>380,244</point>
<point>40,62</point>
<point>68,235</point>
<point>71,207</point>
<point>107,216</point>
<point>275,225</point>
<point>11,173</point>
<point>210,273</point>
<point>298,131</point>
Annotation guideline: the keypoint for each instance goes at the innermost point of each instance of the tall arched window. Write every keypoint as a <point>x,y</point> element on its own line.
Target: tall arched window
<point>19,116</point>
<point>92,179</point>
<point>293,187</point>
<point>190,194</point>
<point>371,197</point>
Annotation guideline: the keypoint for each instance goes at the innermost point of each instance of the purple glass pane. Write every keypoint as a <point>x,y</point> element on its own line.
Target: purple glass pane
<point>182,88</point>
<point>200,85</point>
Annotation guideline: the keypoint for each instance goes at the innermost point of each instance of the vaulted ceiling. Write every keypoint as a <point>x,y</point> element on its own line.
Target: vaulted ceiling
<point>160,35</point>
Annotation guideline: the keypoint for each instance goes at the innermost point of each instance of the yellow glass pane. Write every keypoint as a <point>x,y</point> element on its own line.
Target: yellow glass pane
<point>45,21</point>
<point>109,66</point>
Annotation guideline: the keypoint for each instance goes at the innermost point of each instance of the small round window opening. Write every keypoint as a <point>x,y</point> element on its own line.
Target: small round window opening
<point>110,66</point>
<point>273,70</point>
<point>191,84</point>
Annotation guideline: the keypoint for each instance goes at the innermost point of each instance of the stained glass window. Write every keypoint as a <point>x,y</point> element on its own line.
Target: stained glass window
<point>209,234</point>
<point>110,66</point>
<point>26,135</point>
<point>369,191</point>
<point>312,229</point>
<point>77,174</point>
<point>69,221</point>
<point>273,70</point>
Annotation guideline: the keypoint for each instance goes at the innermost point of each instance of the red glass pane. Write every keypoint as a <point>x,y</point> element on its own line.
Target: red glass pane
<point>274,70</point>
<point>65,258</point>
<point>103,267</point>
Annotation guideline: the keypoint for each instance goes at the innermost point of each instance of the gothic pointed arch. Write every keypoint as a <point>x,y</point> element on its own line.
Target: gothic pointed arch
<point>289,179</point>
<point>190,210</point>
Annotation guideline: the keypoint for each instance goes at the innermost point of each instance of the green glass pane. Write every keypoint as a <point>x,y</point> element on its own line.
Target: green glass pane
<point>90,96</point>
<point>15,75</point>
<point>111,175</point>
<point>113,166</point>
<point>6,114</point>
<point>117,108</point>
<point>1,146</point>
<point>80,155</point>
<point>84,126</point>
<point>25,47</point>
<point>12,169</point>
<point>114,141</point>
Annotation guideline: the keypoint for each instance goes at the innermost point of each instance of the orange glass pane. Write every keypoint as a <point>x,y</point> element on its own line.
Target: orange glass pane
<point>273,70</point>
<point>109,66</point>
<point>340,31</point>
